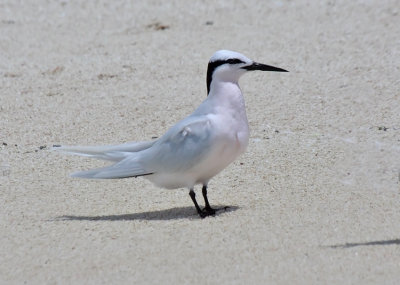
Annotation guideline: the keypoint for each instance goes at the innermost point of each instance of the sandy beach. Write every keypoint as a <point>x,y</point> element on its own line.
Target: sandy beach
<point>314,200</point>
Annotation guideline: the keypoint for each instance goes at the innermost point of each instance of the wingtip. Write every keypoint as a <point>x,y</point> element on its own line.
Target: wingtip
<point>82,174</point>
<point>75,175</point>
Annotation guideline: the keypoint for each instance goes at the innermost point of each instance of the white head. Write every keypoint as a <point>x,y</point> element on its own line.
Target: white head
<point>226,65</point>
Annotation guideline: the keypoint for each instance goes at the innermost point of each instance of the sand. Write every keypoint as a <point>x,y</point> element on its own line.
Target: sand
<point>314,200</point>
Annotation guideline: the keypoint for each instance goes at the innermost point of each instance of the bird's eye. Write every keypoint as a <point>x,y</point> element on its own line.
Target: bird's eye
<point>234,61</point>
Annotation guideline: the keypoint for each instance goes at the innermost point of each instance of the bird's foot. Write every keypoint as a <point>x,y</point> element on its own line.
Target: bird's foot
<point>208,211</point>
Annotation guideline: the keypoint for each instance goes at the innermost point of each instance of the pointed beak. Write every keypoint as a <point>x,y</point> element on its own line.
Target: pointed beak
<point>263,67</point>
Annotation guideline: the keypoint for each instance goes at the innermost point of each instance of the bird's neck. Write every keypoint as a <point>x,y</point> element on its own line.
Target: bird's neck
<point>227,94</point>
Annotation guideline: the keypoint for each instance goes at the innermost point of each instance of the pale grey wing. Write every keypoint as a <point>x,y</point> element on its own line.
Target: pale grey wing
<point>180,148</point>
<point>129,167</point>
<point>108,152</point>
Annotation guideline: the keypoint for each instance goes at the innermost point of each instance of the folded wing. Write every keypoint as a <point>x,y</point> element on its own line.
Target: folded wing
<point>182,146</point>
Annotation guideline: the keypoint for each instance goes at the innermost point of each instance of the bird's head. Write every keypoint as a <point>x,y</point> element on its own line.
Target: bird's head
<point>226,65</point>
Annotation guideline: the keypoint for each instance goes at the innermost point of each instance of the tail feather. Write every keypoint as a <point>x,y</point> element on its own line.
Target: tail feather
<point>126,156</point>
<point>112,153</point>
<point>128,167</point>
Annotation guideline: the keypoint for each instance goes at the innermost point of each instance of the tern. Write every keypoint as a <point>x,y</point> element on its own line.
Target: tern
<point>195,149</point>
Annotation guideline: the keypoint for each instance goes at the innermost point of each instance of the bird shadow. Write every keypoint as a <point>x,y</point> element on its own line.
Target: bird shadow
<point>161,215</point>
<point>369,243</point>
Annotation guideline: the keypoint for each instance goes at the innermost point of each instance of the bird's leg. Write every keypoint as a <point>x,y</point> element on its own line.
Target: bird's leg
<point>207,209</point>
<point>199,211</point>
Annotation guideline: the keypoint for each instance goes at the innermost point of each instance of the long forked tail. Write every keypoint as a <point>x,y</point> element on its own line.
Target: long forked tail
<point>112,152</point>
<point>125,155</point>
<point>112,172</point>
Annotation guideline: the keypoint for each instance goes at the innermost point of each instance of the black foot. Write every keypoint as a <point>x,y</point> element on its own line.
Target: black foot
<point>207,210</point>
<point>203,214</point>
<point>210,211</point>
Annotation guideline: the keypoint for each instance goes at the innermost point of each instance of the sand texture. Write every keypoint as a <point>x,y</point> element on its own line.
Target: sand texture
<point>314,200</point>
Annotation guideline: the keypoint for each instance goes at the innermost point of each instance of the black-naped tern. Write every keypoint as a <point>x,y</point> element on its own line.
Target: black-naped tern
<point>195,149</point>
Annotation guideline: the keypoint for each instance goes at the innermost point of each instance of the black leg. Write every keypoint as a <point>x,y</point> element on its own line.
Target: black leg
<point>207,209</point>
<point>199,211</point>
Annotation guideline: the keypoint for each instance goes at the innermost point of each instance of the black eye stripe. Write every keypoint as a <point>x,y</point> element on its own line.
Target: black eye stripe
<point>212,65</point>
<point>234,61</point>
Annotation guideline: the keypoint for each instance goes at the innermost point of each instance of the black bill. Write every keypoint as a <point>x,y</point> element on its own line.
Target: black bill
<point>263,67</point>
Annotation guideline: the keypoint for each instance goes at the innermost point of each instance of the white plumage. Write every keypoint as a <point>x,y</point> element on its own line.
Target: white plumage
<point>196,148</point>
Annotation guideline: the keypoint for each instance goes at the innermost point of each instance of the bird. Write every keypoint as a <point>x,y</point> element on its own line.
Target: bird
<point>196,148</point>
